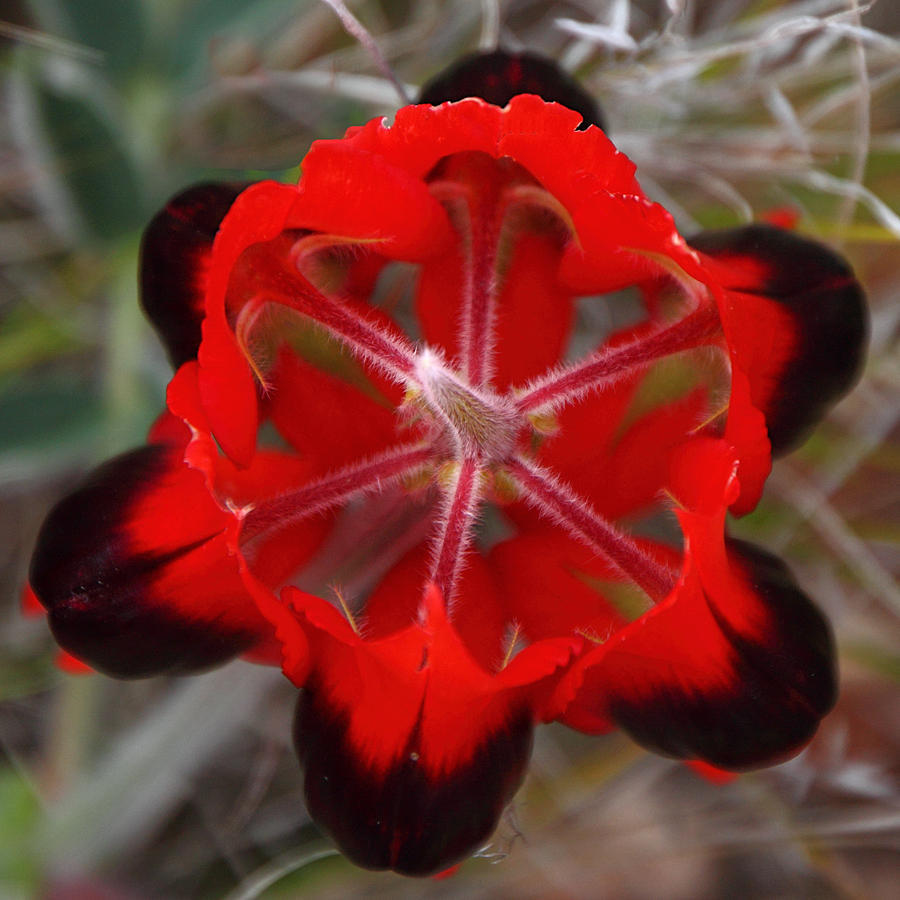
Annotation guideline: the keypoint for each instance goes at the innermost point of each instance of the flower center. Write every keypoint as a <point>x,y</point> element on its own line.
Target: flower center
<point>479,422</point>
<point>479,410</point>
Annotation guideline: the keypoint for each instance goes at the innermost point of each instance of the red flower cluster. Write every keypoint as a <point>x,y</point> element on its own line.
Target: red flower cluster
<point>368,364</point>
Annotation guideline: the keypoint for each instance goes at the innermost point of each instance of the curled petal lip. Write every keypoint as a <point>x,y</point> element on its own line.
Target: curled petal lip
<point>497,76</point>
<point>427,649</point>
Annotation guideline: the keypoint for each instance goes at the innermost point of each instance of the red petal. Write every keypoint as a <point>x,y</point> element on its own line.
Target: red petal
<point>533,317</point>
<point>168,429</point>
<point>71,665</point>
<point>550,587</point>
<point>135,571</point>
<point>411,750</point>
<point>712,774</point>
<point>746,431</point>
<point>327,419</point>
<point>29,603</point>
<point>795,320</point>
<point>226,382</point>
<point>438,293</point>
<point>554,587</point>
<point>175,254</point>
<point>405,818</point>
<point>736,666</point>
<point>478,615</point>
<point>354,193</point>
<point>581,446</point>
<point>534,313</point>
<point>624,240</point>
<point>620,474</point>
<point>638,466</point>
<point>279,552</point>
<point>422,135</point>
<point>571,164</point>
<point>140,568</point>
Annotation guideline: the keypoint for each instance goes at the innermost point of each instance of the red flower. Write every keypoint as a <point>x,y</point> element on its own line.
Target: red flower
<point>384,351</point>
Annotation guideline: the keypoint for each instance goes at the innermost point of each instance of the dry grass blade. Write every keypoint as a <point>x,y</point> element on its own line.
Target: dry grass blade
<point>272,872</point>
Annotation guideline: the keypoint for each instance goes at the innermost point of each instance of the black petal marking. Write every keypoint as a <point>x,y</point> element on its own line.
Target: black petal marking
<point>102,599</point>
<point>784,681</point>
<point>174,254</point>
<point>405,819</point>
<point>497,76</point>
<point>820,291</point>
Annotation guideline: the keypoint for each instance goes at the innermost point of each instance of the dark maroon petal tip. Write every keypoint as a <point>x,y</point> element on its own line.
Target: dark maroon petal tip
<point>174,254</point>
<point>498,75</point>
<point>405,818</point>
<point>768,697</point>
<point>818,289</point>
<point>107,603</point>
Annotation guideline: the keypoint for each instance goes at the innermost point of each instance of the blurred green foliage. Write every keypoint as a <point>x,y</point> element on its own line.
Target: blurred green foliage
<point>19,814</point>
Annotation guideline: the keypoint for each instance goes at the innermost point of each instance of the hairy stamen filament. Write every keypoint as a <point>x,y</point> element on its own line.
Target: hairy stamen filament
<point>480,300</point>
<point>484,234</point>
<point>335,489</point>
<point>480,423</point>
<point>364,337</point>
<point>456,523</point>
<point>612,363</point>
<point>479,232</point>
<point>559,502</point>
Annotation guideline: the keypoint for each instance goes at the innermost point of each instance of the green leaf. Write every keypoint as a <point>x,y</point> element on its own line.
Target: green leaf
<point>19,814</point>
<point>71,128</point>
<point>207,19</point>
<point>115,28</point>
<point>23,674</point>
<point>877,659</point>
<point>31,336</point>
<point>51,411</point>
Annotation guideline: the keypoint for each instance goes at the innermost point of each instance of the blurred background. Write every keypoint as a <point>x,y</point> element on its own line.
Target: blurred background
<point>188,788</point>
